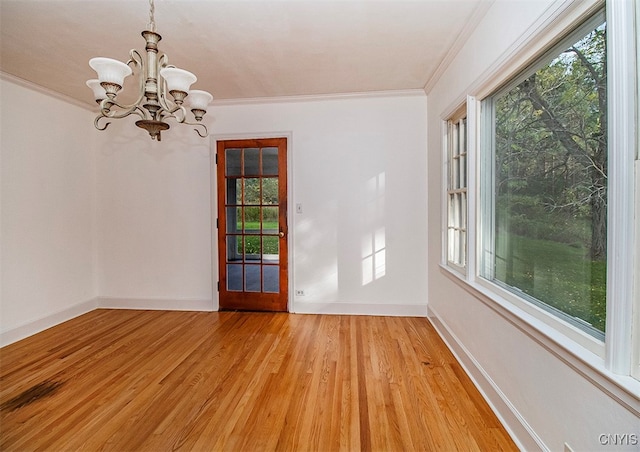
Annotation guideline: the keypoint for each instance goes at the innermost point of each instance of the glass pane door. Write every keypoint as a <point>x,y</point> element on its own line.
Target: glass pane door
<point>252,208</point>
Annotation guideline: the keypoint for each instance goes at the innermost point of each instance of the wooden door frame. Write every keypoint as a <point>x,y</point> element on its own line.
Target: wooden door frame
<point>215,271</point>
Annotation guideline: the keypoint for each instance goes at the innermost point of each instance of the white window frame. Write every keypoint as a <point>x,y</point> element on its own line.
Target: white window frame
<point>456,203</point>
<point>614,365</point>
<point>622,109</point>
<point>635,306</point>
<point>560,321</point>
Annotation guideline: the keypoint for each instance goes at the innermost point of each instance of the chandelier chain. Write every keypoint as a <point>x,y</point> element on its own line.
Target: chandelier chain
<point>152,21</point>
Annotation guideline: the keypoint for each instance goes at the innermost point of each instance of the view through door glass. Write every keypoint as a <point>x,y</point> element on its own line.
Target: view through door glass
<point>252,226</point>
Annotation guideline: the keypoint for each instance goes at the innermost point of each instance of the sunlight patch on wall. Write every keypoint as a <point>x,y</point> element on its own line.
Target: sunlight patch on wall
<point>373,256</point>
<point>374,242</point>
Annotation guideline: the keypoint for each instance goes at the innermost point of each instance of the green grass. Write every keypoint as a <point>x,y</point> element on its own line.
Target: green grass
<point>255,225</point>
<point>560,275</point>
<point>270,244</point>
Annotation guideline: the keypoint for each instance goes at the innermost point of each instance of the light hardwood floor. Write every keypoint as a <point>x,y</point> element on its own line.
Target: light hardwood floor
<point>158,381</point>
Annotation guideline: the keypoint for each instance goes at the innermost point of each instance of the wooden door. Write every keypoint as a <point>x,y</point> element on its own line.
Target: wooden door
<point>252,224</point>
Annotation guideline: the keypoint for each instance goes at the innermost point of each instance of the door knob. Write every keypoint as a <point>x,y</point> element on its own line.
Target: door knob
<point>281,234</point>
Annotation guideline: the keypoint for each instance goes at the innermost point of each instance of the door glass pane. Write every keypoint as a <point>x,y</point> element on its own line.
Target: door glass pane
<point>234,191</point>
<point>252,278</point>
<point>252,191</point>
<point>271,278</point>
<point>252,247</point>
<point>234,277</point>
<point>252,220</point>
<point>270,248</point>
<point>270,161</point>
<point>252,162</point>
<point>234,219</point>
<point>234,248</point>
<point>270,220</point>
<point>232,161</point>
<point>270,191</point>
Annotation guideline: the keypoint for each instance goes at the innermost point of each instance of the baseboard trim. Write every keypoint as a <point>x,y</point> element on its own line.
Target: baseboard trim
<point>46,322</point>
<point>521,432</point>
<point>159,304</point>
<point>391,310</point>
<point>156,304</point>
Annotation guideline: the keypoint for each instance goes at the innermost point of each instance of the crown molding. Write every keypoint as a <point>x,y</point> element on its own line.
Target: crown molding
<point>417,92</point>
<point>46,91</point>
<point>472,23</point>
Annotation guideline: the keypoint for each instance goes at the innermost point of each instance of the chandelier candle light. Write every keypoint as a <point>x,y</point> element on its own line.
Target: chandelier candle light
<point>158,80</point>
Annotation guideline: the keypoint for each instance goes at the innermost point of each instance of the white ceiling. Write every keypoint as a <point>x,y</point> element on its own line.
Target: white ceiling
<point>241,49</point>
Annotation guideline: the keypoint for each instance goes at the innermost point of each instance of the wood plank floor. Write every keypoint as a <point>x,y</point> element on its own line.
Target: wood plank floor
<point>158,381</point>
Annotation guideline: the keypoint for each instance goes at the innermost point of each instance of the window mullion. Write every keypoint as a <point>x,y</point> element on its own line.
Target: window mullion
<point>446,186</point>
<point>472,150</point>
<point>485,174</point>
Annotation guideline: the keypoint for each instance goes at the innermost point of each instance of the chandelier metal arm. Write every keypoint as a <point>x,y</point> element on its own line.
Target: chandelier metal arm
<point>138,62</point>
<point>125,110</point>
<point>206,132</point>
<point>114,115</point>
<point>182,119</point>
<point>97,120</point>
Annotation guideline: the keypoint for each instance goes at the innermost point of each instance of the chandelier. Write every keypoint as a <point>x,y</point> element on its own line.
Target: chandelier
<point>162,90</point>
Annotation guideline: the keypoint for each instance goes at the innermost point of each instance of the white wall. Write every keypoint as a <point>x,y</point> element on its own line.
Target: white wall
<point>153,218</point>
<point>358,172</point>
<point>356,165</point>
<point>544,400</point>
<point>46,211</point>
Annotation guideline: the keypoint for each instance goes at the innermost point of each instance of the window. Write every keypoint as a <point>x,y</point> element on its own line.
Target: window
<point>457,190</point>
<point>552,222</point>
<point>544,178</point>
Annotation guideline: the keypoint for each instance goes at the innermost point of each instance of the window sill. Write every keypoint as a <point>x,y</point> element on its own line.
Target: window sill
<point>623,389</point>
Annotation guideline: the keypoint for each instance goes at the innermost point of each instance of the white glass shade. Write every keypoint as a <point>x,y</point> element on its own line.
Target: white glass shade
<point>199,100</point>
<point>109,70</point>
<point>98,91</point>
<point>178,79</point>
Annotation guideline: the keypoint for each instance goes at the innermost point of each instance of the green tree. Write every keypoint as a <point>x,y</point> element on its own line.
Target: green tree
<point>551,140</point>
<point>551,181</point>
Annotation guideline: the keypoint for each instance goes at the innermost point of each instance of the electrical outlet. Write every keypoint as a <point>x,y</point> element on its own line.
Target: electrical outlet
<point>299,293</point>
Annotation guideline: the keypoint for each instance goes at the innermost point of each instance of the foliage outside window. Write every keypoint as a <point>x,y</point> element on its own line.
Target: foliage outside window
<point>545,237</point>
<point>457,191</point>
